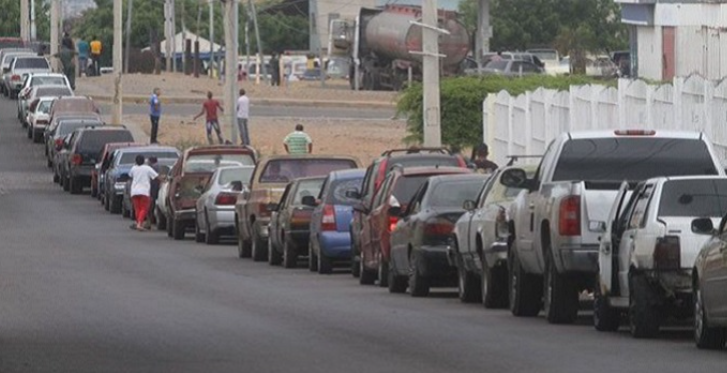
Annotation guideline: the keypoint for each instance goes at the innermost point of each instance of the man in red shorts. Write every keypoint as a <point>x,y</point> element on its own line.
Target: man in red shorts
<point>209,109</point>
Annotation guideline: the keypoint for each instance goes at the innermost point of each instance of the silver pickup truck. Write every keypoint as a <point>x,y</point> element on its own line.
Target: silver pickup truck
<point>558,220</point>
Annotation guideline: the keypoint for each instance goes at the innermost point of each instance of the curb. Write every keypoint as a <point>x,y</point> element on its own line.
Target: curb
<point>137,99</point>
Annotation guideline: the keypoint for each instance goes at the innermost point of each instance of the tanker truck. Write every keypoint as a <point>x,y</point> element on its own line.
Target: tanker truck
<point>379,41</point>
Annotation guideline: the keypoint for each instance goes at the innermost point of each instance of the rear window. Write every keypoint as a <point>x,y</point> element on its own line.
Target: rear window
<point>307,188</point>
<point>336,191</point>
<point>92,142</point>
<point>406,186</point>
<point>285,170</point>
<point>694,198</point>
<point>47,80</point>
<point>633,159</point>
<point>236,174</point>
<point>44,107</point>
<point>8,59</point>
<point>77,105</point>
<point>53,91</point>
<point>454,193</point>
<point>65,128</point>
<point>31,63</point>
<point>130,158</point>
<point>210,162</point>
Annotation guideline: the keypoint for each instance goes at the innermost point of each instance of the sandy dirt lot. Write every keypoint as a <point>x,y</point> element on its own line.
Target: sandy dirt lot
<point>362,139</point>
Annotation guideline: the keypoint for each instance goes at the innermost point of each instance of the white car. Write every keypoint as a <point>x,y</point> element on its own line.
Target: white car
<point>215,209</point>
<point>39,117</point>
<point>32,80</point>
<point>648,249</point>
<point>54,91</point>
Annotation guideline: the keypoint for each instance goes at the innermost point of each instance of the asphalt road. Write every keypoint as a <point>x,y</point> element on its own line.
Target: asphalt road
<point>81,292</point>
<point>269,111</point>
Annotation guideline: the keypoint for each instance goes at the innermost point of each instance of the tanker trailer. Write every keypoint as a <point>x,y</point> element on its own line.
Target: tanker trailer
<point>383,39</point>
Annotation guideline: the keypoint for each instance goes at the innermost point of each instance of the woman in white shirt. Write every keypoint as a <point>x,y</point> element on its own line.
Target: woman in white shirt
<point>141,177</point>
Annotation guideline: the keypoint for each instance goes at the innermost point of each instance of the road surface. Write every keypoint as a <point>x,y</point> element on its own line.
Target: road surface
<point>81,292</point>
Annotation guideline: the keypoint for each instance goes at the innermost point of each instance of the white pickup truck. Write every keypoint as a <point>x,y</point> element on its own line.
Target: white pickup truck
<point>558,220</point>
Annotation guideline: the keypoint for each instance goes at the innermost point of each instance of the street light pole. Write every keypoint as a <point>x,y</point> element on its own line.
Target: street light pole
<point>117,63</point>
<point>54,37</point>
<point>231,20</point>
<point>430,72</point>
<point>33,35</point>
<point>129,13</point>
<point>213,60</point>
<point>24,21</point>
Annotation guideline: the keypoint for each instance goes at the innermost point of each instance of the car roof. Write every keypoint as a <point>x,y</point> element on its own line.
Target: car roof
<point>145,148</point>
<point>431,170</point>
<point>694,135</point>
<point>305,156</point>
<point>218,149</point>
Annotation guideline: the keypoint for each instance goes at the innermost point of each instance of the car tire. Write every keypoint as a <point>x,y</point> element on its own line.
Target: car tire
<point>106,203</point>
<point>56,179</point>
<point>525,290</point>
<point>468,285</point>
<point>177,229</point>
<point>560,295</point>
<point>161,219</point>
<point>325,264</point>
<point>290,255</point>
<point>66,184</point>
<point>418,284</point>
<point>312,259</point>
<point>605,317</point>
<point>258,246</point>
<point>37,138</point>
<point>397,282</point>
<point>211,237</point>
<point>367,276</point>
<point>30,131</point>
<point>199,237</point>
<point>124,211</point>
<point>705,337</point>
<point>94,192</point>
<point>115,204</point>
<point>494,286</point>
<point>274,257</point>
<point>644,312</point>
<point>75,187</point>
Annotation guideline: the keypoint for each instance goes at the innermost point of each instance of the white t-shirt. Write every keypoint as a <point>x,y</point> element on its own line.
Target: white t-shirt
<point>243,107</point>
<point>141,180</point>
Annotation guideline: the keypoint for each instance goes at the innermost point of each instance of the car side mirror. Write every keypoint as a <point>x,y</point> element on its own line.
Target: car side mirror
<point>514,178</point>
<point>395,211</point>
<point>702,226</point>
<point>236,186</point>
<point>309,201</point>
<point>352,194</point>
<point>469,205</point>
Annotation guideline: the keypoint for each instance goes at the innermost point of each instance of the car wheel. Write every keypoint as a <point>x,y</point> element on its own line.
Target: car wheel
<point>274,257</point>
<point>560,295</point>
<point>494,286</point>
<point>418,284</point>
<point>66,184</point>
<point>106,203</point>
<point>355,268</point>
<point>367,276</point>
<point>199,237</point>
<point>115,203</point>
<point>178,229</point>
<point>605,317</point>
<point>325,264</point>
<point>290,255</point>
<point>706,337</point>
<point>211,238</point>
<point>525,290</point>
<point>30,131</point>
<point>37,138</point>
<point>258,246</point>
<point>397,282</point>
<point>94,192</point>
<point>124,211</point>
<point>644,313</point>
<point>56,179</point>
<point>161,219</point>
<point>312,259</point>
<point>76,186</point>
<point>383,272</point>
<point>468,285</point>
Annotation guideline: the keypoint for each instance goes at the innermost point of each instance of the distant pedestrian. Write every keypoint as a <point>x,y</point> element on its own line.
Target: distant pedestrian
<point>479,158</point>
<point>209,109</point>
<point>66,55</point>
<point>153,191</point>
<point>497,57</point>
<point>243,113</point>
<point>83,50</point>
<point>275,70</point>
<point>155,112</point>
<point>96,50</point>
<point>141,178</point>
<point>298,142</point>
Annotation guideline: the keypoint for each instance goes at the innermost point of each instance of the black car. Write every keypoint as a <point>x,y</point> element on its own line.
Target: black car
<point>290,221</point>
<point>84,146</point>
<point>62,126</point>
<point>419,241</point>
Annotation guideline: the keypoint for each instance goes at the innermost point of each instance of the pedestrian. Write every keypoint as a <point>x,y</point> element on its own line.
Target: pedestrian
<point>275,70</point>
<point>155,111</point>
<point>141,177</point>
<point>153,191</point>
<point>479,158</point>
<point>298,142</point>
<point>83,50</point>
<point>66,55</point>
<point>96,50</point>
<point>243,113</point>
<point>209,109</point>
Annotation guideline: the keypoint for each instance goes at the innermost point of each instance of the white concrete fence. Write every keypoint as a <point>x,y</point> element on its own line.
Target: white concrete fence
<point>525,124</point>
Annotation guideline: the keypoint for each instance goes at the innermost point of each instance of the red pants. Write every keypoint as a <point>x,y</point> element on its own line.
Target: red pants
<point>141,208</point>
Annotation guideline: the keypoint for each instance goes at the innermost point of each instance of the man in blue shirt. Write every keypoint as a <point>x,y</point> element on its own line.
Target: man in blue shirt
<point>83,48</point>
<point>155,111</point>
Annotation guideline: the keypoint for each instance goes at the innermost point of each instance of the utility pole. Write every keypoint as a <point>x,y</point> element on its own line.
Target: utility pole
<point>117,63</point>
<point>55,15</point>
<point>24,21</point>
<point>33,35</point>
<point>231,20</point>
<point>247,43</point>
<point>482,38</point>
<point>184,40</point>
<point>173,15</point>
<point>129,13</point>
<point>213,61</point>
<point>259,42</point>
<point>430,71</point>
<point>168,34</point>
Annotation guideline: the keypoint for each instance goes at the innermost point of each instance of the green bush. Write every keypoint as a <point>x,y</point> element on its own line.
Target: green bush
<point>461,103</point>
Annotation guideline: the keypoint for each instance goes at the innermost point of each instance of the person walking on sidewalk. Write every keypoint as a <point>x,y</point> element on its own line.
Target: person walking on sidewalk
<point>155,112</point>
<point>243,113</point>
<point>298,142</point>
<point>96,50</point>
<point>209,109</point>
<point>141,178</point>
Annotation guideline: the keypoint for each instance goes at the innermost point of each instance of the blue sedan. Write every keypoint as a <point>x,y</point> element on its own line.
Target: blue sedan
<point>330,240</point>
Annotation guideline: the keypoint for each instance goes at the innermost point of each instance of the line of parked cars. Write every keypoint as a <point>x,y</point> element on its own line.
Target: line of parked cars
<point>633,220</point>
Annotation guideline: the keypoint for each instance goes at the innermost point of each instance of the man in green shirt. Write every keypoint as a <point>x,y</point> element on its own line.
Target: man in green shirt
<point>298,142</point>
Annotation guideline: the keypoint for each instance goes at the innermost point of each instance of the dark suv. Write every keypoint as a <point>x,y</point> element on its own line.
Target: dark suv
<point>375,175</point>
<point>84,146</point>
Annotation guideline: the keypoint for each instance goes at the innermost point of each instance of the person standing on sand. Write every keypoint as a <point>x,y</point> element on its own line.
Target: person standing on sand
<point>141,178</point>
<point>209,109</point>
<point>298,142</point>
<point>243,113</point>
<point>155,112</point>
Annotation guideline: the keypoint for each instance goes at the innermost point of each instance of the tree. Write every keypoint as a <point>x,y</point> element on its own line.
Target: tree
<point>10,26</point>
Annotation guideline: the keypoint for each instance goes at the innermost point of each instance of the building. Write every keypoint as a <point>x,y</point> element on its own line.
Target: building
<point>676,38</point>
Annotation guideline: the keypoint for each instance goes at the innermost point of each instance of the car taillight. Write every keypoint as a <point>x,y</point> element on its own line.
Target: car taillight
<point>667,253</point>
<point>392,223</point>
<point>569,223</point>
<point>226,199</point>
<point>381,174</point>
<point>634,132</point>
<point>15,77</point>
<point>438,228</point>
<point>77,159</point>
<point>59,142</point>
<point>328,221</point>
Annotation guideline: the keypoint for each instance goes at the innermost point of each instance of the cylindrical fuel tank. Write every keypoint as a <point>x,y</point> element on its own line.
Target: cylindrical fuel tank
<point>391,34</point>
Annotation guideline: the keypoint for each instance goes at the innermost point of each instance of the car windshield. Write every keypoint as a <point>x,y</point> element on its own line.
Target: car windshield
<point>53,91</point>
<point>130,157</point>
<point>43,107</point>
<point>285,170</point>
<point>47,80</point>
<point>497,65</point>
<point>243,174</point>
<point>307,188</point>
<point>454,193</point>
<point>92,142</point>
<point>633,159</point>
<point>210,162</point>
<point>694,198</point>
<point>65,128</point>
<point>336,191</point>
<point>31,63</point>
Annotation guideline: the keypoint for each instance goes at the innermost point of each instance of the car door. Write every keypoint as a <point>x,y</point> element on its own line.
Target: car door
<point>714,274</point>
<point>359,214</point>
<point>369,229</point>
<point>629,237</point>
<point>278,217</point>
<point>605,252</point>
<point>404,234</point>
<point>478,223</point>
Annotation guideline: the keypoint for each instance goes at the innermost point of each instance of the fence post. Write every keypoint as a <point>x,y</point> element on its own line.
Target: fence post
<point>595,94</point>
<point>528,124</point>
<point>509,124</point>
<point>622,87</point>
